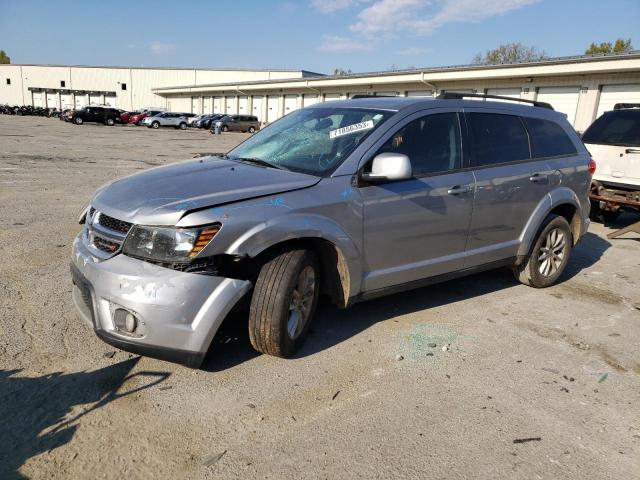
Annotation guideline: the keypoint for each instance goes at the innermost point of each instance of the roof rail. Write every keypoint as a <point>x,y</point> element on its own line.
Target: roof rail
<point>371,96</point>
<point>620,106</point>
<point>460,96</point>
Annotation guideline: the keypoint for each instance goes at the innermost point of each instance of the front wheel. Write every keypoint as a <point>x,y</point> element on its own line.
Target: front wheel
<point>225,128</point>
<point>155,125</point>
<point>252,129</point>
<point>549,256</point>
<point>77,121</point>
<point>284,303</point>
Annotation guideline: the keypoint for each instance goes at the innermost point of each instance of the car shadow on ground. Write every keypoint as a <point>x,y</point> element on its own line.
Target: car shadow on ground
<point>39,414</point>
<point>628,217</point>
<point>332,326</point>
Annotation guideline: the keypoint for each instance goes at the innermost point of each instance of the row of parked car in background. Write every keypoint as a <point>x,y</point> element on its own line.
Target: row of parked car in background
<point>151,118</point>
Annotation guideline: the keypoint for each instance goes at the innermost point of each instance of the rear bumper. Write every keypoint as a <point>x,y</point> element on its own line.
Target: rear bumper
<point>178,313</point>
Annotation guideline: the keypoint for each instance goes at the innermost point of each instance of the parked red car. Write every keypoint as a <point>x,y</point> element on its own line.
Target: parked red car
<point>126,116</point>
<point>137,118</point>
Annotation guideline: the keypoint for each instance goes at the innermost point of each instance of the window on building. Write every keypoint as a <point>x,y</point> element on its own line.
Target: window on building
<point>498,138</point>
<point>63,84</point>
<point>123,86</point>
<point>548,139</point>
<point>8,81</point>
<point>432,143</point>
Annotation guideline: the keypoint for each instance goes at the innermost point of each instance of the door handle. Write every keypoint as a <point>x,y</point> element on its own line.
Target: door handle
<point>632,150</point>
<point>539,178</point>
<point>459,189</point>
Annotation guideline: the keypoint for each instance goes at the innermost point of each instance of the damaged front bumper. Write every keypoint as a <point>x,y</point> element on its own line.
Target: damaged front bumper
<point>176,314</point>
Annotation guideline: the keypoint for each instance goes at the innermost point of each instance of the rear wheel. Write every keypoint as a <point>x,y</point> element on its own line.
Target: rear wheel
<point>225,128</point>
<point>110,122</point>
<point>182,126</point>
<point>549,256</point>
<point>252,129</point>
<point>284,303</point>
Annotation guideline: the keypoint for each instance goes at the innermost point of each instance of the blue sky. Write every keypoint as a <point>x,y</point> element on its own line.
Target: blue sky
<point>316,35</point>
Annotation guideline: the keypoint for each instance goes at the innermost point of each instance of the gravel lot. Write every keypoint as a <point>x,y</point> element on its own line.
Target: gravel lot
<point>536,384</point>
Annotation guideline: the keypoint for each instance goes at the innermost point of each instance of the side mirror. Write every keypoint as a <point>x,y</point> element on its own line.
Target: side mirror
<point>389,167</point>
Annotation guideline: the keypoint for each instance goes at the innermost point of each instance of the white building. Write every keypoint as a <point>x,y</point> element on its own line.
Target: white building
<point>582,87</point>
<point>129,88</point>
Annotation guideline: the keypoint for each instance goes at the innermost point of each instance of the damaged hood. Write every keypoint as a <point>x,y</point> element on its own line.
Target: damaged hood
<point>161,196</point>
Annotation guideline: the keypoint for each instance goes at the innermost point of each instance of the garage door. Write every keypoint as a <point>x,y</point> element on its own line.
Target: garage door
<point>612,94</point>
<point>420,93</point>
<point>309,99</point>
<point>272,108</point>
<point>217,105</point>
<point>81,100</point>
<point>231,105</point>
<point>52,100</point>
<point>386,94</point>
<point>257,106</point>
<point>243,105</point>
<point>110,100</point>
<point>562,99</point>
<point>95,99</point>
<point>328,97</point>
<point>195,105</point>
<point>207,105</point>
<point>504,92</point>
<point>353,94</point>
<point>38,99</point>
<point>65,101</point>
<point>290,103</point>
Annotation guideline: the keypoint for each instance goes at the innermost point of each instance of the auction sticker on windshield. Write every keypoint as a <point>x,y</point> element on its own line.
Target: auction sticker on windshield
<point>349,129</point>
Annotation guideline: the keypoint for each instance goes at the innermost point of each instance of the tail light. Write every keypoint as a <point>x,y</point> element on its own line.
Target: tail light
<point>592,166</point>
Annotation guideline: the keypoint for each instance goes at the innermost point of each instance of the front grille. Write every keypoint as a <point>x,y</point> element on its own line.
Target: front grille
<point>114,224</point>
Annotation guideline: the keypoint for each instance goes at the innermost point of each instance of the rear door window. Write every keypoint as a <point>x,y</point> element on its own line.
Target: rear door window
<point>618,127</point>
<point>548,139</point>
<point>497,138</point>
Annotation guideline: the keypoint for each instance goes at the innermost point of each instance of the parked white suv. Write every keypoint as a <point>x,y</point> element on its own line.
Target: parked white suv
<point>614,142</point>
<point>167,119</point>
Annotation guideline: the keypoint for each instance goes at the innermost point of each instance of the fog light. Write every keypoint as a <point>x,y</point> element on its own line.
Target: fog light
<point>130,323</point>
<point>125,321</point>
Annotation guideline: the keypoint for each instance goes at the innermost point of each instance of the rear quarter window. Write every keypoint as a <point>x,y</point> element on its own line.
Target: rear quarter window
<point>548,139</point>
<point>497,138</point>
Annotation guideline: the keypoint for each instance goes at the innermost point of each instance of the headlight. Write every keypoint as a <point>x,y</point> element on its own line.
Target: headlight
<point>168,244</point>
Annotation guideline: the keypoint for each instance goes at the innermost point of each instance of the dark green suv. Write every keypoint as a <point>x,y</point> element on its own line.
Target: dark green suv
<point>108,116</point>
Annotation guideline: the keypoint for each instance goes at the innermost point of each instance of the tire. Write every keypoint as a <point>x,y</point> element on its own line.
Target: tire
<point>251,129</point>
<point>155,125</point>
<point>276,326</point>
<point>77,121</point>
<point>540,270</point>
<point>110,122</point>
<point>182,126</point>
<point>225,128</point>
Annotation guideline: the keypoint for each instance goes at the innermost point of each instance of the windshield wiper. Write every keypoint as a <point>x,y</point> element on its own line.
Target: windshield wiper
<point>258,161</point>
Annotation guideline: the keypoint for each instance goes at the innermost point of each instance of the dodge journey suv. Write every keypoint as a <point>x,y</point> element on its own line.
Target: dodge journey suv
<point>351,199</point>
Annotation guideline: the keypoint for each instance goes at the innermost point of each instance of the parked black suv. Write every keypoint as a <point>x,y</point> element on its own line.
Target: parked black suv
<point>108,116</point>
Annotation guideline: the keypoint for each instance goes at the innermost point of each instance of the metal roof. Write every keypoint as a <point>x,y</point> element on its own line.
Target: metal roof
<point>635,54</point>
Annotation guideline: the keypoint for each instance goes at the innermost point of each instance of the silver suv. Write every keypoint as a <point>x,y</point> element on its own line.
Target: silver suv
<point>352,199</point>
<point>167,119</point>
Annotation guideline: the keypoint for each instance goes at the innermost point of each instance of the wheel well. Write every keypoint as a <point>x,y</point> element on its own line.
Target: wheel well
<point>570,214</point>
